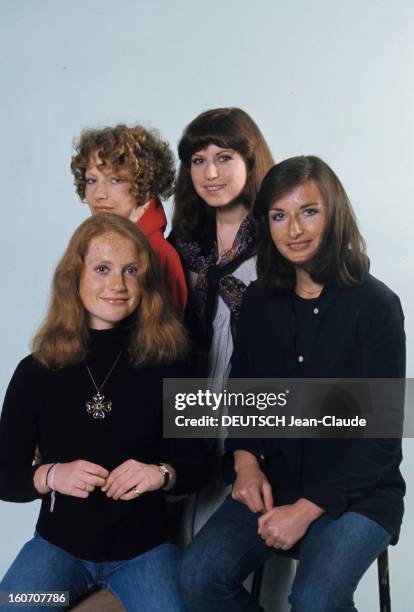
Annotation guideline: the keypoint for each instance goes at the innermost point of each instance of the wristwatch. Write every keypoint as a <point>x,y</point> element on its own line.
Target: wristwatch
<point>166,474</point>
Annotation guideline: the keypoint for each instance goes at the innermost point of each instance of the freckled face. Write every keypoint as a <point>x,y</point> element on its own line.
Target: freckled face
<point>108,190</point>
<point>218,175</point>
<point>297,222</point>
<point>108,285</point>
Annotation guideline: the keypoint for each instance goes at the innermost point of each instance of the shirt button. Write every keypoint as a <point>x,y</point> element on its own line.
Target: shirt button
<point>300,358</point>
<point>315,310</point>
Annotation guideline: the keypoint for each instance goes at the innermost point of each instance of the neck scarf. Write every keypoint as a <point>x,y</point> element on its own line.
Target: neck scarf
<point>215,278</point>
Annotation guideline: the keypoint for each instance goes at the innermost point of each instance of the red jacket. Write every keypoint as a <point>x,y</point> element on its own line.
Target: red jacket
<point>153,223</point>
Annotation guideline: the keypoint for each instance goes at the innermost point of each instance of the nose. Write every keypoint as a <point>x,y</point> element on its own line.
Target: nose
<point>211,171</point>
<point>101,192</point>
<point>117,283</point>
<point>295,228</point>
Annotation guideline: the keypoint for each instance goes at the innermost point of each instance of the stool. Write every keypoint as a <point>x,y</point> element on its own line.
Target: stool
<point>99,601</point>
<point>383,582</point>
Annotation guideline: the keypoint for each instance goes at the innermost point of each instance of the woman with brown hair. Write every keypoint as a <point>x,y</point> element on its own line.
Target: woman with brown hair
<point>315,312</point>
<point>224,158</point>
<point>126,171</point>
<point>90,397</point>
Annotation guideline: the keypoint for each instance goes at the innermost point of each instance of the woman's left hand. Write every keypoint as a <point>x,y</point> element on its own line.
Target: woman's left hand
<point>283,526</point>
<point>132,478</point>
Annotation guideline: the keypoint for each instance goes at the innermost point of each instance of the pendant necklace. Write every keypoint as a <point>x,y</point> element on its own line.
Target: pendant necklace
<point>99,406</point>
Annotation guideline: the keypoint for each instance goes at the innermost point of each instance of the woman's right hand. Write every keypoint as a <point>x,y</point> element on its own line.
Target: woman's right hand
<point>77,478</point>
<point>251,486</point>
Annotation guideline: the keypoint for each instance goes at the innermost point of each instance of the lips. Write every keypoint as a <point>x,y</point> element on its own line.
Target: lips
<point>115,301</point>
<point>213,188</point>
<point>299,246</point>
<point>99,209</point>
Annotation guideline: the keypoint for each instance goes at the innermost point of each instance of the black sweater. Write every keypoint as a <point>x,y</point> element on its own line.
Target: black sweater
<point>356,332</point>
<point>48,408</point>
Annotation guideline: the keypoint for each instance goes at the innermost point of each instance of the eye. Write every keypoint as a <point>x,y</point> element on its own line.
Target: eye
<point>225,157</point>
<point>277,216</point>
<point>116,180</point>
<point>309,212</point>
<point>131,270</point>
<point>196,161</point>
<point>90,181</point>
<point>101,269</point>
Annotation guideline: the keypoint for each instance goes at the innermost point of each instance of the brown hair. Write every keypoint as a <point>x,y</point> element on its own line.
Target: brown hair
<point>156,335</point>
<point>229,128</point>
<point>341,257</point>
<point>148,159</point>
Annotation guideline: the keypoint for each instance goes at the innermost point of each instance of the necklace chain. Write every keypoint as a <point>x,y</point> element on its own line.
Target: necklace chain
<point>99,389</point>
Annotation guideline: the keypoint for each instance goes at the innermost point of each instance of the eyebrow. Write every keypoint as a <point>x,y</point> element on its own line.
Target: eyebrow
<point>200,153</point>
<point>101,262</point>
<point>314,204</point>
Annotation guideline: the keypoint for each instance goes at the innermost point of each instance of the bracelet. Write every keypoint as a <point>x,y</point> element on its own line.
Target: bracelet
<point>52,486</point>
<point>47,474</point>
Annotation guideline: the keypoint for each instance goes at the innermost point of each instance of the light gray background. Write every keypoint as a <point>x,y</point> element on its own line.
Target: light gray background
<point>332,78</point>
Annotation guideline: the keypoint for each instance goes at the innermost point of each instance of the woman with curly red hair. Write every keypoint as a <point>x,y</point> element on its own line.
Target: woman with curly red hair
<point>126,170</point>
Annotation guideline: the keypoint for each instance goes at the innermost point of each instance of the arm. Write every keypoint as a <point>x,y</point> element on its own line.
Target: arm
<point>242,459</point>
<point>186,460</point>
<point>20,481</point>
<point>251,486</point>
<point>18,434</point>
<point>348,469</point>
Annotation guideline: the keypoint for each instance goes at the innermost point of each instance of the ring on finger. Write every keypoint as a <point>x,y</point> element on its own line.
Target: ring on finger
<point>136,490</point>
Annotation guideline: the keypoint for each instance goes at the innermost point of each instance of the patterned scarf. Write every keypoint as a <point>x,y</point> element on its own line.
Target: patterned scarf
<point>215,278</point>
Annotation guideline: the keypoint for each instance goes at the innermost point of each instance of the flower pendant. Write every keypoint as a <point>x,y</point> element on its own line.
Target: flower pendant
<point>98,406</point>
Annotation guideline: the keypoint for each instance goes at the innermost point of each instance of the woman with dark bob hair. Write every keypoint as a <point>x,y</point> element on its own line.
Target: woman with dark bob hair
<point>314,312</point>
<point>90,397</point>
<point>126,171</point>
<point>224,158</point>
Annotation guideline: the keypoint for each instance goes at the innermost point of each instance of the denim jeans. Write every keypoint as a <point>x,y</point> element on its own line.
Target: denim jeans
<point>333,556</point>
<point>145,583</point>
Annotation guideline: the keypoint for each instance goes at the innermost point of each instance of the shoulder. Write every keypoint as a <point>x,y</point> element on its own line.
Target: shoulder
<point>28,376</point>
<point>166,253</point>
<point>373,288</point>
<point>30,366</point>
<point>374,296</point>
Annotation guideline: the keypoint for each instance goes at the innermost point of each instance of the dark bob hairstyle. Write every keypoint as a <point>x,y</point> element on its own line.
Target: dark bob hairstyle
<point>228,128</point>
<point>341,258</point>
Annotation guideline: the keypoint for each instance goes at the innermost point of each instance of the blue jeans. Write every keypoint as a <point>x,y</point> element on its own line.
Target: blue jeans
<point>334,554</point>
<point>145,583</point>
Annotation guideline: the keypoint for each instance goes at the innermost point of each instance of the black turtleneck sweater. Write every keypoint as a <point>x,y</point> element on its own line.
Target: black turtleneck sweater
<point>48,408</point>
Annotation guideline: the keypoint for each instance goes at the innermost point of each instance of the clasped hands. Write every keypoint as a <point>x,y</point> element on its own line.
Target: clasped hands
<point>279,526</point>
<point>79,478</point>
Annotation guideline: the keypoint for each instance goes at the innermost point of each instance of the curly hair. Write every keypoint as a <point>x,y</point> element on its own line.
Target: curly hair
<point>156,335</point>
<point>341,257</point>
<point>148,159</point>
<point>228,128</point>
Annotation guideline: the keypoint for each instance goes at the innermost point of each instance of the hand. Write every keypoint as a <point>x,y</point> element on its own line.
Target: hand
<point>132,476</point>
<point>76,478</point>
<point>283,526</point>
<point>251,486</point>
